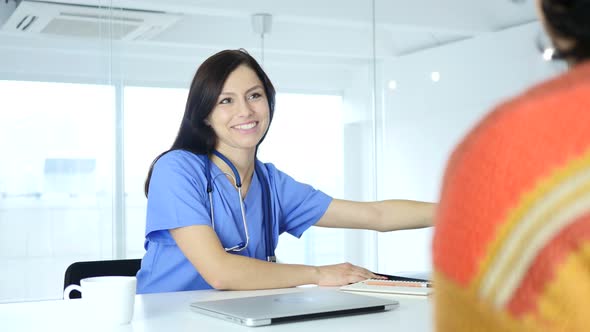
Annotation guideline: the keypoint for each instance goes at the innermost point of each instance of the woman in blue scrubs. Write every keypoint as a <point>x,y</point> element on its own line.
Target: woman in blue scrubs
<point>215,212</point>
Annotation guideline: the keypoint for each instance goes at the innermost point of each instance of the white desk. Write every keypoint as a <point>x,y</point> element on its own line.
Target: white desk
<point>171,312</point>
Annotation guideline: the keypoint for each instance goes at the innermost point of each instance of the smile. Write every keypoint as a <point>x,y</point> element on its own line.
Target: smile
<point>246,126</point>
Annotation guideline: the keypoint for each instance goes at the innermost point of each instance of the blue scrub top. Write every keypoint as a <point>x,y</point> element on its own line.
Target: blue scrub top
<point>178,197</point>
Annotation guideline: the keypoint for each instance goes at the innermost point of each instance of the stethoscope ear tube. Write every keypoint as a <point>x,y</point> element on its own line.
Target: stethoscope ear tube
<point>233,168</point>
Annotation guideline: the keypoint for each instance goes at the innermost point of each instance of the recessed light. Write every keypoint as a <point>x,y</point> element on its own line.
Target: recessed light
<point>392,85</point>
<point>435,76</point>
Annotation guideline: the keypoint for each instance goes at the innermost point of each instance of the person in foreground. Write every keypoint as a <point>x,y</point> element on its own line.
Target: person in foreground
<point>215,211</point>
<point>511,248</point>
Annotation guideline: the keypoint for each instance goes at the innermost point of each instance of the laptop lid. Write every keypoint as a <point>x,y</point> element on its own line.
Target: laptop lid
<point>269,309</point>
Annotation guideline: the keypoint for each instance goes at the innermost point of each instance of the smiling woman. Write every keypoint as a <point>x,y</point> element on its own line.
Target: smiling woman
<point>213,162</point>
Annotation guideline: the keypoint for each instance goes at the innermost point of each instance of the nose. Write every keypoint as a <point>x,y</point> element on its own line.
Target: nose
<point>244,108</point>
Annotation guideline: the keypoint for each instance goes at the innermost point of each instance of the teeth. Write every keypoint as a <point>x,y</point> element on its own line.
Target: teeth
<point>246,126</point>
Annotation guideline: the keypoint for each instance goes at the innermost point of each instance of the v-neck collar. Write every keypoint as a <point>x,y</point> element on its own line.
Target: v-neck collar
<point>228,185</point>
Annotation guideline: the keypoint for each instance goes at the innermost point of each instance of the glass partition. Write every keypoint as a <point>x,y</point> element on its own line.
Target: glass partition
<point>57,137</point>
<point>91,91</point>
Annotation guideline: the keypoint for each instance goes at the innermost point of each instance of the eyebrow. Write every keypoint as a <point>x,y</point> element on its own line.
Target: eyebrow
<point>258,86</point>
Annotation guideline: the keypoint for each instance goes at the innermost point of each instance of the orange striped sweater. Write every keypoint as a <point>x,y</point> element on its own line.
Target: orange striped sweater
<point>511,248</point>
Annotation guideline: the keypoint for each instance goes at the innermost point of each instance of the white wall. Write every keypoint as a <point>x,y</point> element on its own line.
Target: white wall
<point>425,120</point>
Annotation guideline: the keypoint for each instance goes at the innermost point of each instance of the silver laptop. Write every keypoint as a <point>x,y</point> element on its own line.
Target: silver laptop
<point>270,309</point>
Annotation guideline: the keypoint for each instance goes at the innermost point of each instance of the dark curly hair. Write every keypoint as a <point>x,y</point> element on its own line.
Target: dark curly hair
<point>194,135</point>
<point>569,19</point>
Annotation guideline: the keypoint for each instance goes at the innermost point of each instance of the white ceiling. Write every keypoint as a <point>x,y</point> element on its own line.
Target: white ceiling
<point>464,16</point>
<point>341,28</point>
<point>402,26</point>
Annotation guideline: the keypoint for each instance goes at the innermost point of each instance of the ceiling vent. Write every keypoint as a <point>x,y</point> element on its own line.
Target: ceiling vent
<point>51,18</point>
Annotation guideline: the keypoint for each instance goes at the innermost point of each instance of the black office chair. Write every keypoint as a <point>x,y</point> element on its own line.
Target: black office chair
<point>81,270</point>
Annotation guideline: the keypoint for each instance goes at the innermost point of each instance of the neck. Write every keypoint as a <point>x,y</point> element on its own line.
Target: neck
<point>243,161</point>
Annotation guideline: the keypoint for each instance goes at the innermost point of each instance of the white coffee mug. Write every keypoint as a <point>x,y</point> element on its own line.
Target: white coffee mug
<point>108,299</point>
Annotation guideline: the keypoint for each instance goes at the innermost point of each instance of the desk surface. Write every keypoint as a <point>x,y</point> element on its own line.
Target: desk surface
<point>171,312</point>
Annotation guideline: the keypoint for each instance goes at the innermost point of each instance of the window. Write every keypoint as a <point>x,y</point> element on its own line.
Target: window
<point>305,140</point>
<point>56,193</point>
<point>152,119</point>
<point>55,183</point>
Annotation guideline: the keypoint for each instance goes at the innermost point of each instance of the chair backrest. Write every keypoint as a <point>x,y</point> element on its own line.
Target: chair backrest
<point>80,270</point>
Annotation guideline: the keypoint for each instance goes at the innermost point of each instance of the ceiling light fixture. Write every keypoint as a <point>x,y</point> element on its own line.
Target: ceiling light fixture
<point>392,85</point>
<point>435,76</point>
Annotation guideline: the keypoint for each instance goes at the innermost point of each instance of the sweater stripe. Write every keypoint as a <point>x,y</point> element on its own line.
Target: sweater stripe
<point>542,214</point>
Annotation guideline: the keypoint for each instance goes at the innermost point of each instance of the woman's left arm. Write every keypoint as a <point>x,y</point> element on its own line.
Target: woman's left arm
<point>383,216</point>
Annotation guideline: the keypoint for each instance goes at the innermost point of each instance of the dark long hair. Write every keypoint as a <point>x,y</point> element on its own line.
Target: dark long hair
<point>194,135</point>
<point>570,19</point>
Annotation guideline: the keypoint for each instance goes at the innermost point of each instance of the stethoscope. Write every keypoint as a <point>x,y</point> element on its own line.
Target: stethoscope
<point>266,206</point>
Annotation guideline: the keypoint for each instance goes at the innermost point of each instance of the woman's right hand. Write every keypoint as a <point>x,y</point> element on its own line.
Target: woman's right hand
<point>343,274</point>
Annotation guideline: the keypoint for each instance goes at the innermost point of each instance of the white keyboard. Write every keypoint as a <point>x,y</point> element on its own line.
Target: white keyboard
<point>390,286</point>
